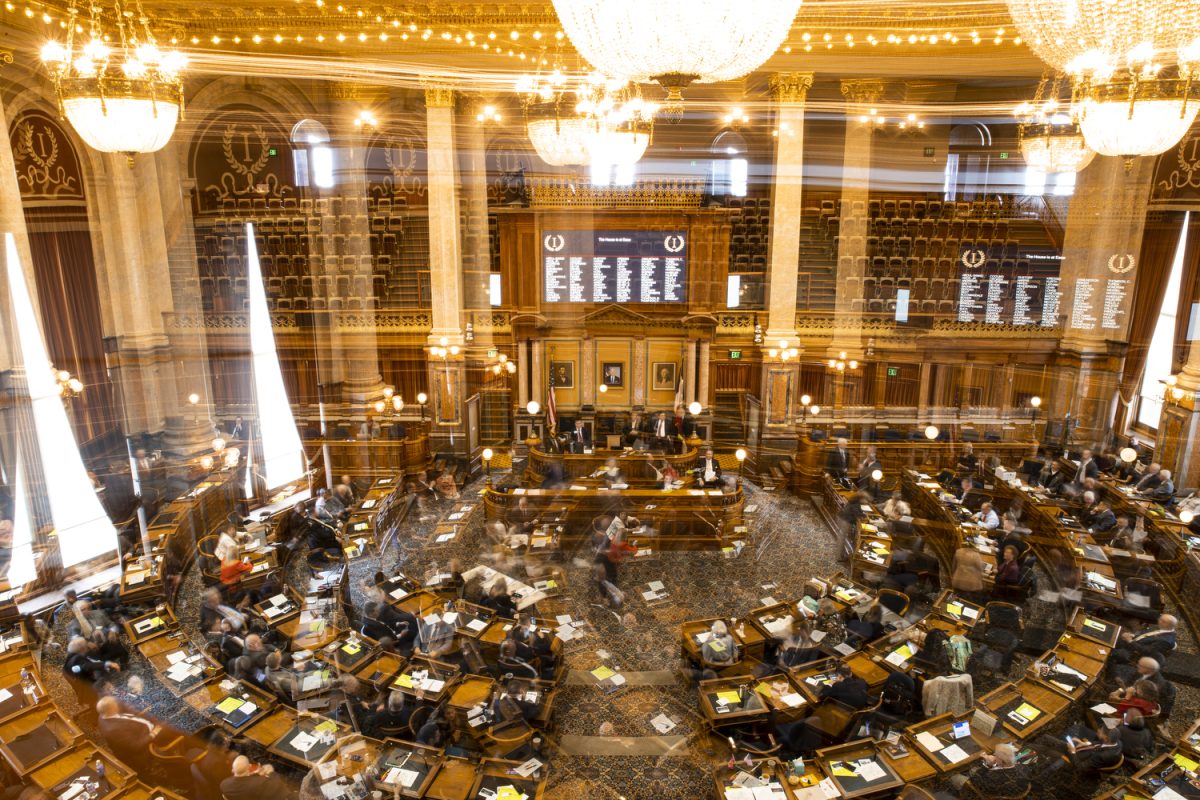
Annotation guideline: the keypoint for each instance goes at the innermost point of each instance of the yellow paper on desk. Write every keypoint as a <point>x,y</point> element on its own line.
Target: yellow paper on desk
<point>229,705</point>
<point>327,725</point>
<point>1091,623</point>
<point>603,673</point>
<point>716,646</point>
<point>764,689</point>
<point>954,608</point>
<point>843,595</point>
<point>869,528</point>
<point>842,771</point>
<point>155,622</point>
<point>729,698</point>
<point>508,793</point>
<point>1029,712</point>
<point>551,584</point>
<point>405,680</point>
<point>352,648</point>
<point>1185,763</point>
<point>904,651</point>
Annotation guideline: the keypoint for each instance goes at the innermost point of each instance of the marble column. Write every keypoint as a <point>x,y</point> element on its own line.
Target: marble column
<point>190,430</point>
<point>705,359</point>
<point>522,358</point>
<point>362,382</point>
<point>689,373</point>
<point>133,277</point>
<point>1103,238</point>
<point>538,383</point>
<point>790,90</point>
<point>860,96</point>
<point>476,248</point>
<point>923,392</point>
<point>445,261</point>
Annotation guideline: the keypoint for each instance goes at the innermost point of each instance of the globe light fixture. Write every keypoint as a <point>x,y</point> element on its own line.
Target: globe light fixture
<point>695,408</point>
<point>931,432</point>
<point>1186,517</point>
<point>533,407</point>
<point>1035,401</point>
<point>1128,455</point>
<point>814,410</point>
<point>602,389</point>
<point>218,444</point>
<point>877,475</point>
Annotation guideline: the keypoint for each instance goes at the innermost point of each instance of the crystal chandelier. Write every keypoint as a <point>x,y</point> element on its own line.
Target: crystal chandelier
<point>1133,64</point>
<point>676,42</point>
<point>1051,140</point>
<point>121,95</point>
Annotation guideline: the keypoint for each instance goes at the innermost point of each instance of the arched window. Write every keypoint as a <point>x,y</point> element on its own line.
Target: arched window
<point>730,169</point>
<point>312,156</point>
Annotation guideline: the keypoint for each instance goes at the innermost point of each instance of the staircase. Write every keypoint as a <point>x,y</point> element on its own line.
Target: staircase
<point>816,288</point>
<point>728,427</point>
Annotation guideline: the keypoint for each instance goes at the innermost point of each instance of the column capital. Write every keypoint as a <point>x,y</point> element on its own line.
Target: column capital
<point>437,94</point>
<point>862,92</point>
<point>791,87</point>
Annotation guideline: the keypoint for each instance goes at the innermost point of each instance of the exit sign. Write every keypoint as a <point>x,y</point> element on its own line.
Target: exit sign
<point>1004,155</point>
<point>893,372</point>
<point>735,354</point>
<point>272,152</point>
<point>492,353</point>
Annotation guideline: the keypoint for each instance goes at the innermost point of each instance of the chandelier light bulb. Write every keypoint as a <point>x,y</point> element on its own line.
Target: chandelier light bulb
<point>206,463</point>
<point>388,391</point>
<point>398,403</point>
<point>379,406</point>
<point>453,349</point>
<point>75,385</point>
<point>511,367</point>
<point>218,444</point>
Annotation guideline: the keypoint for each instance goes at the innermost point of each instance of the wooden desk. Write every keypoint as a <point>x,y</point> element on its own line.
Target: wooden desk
<point>310,635</point>
<point>279,608</point>
<point>151,624</point>
<point>325,731</point>
<point>953,607</point>
<point>269,728</point>
<point>854,756</point>
<point>1041,697</point>
<point>424,762</point>
<point>1090,668</point>
<point>975,745</point>
<point>17,701</point>
<point>206,697</point>
<point>380,669</point>
<point>767,770</point>
<point>163,651</point>
<point>741,703</point>
<point>437,670</point>
<point>1098,630</point>
<point>347,654</point>
<point>42,717</point>
<point>455,780</point>
<point>631,462</point>
<point>681,518</point>
<point>496,774</point>
<point>80,762</point>
<point>468,693</point>
<point>140,791</point>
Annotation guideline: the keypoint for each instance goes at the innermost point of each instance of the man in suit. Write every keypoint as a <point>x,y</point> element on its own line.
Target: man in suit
<point>708,471</point>
<point>662,429</point>
<point>1158,641</point>
<point>968,462</point>
<point>524,518</point>
<point>1150,479</point>
<point>846,688</point>
<point>581,437</point>
<point>1088,468</point>
<point>1089,756</point>
<point>1101,518</point>
<point>237,430</point>
<point>1164,492</point>
<point>837,464</point>
<point>127,735</point>
<point>870,462</point>
<point>251,781</point>
<point>633,431</point>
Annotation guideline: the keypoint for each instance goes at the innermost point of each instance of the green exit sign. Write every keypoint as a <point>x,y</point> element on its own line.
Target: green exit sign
<point>893,372</point>
<point>1004,155</point>
<point>735,354</point>
<point>272,152</point>
<point>492,353</point>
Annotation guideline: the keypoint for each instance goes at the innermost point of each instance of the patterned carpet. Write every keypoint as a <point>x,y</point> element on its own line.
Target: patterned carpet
<point>635,765</point>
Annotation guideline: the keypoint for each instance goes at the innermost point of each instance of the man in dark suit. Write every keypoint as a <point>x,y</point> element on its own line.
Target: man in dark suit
<point>1088,468</point>
<point>633,431</point>
<point>1150,479</point>
<point>708,471</point>
<point>837,464</point>
<point>252,782</point>
<point>846,688</point>
<point>1158,641</point>
<point>581,437</point>
<point>1089,756</point>
<point>662,429</point>
<point>127,735</point>
<point>1164,492</point>
<point>1101,518</point>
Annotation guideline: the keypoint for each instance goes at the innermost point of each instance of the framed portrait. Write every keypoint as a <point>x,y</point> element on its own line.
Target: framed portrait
<point>613,373</point>
<point>662,376</point>
<point>562,374</point>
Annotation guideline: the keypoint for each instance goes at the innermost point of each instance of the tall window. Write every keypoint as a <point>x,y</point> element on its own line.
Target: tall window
<point>1158,357</point>
<point>312,156</point>
<point>730,169</point>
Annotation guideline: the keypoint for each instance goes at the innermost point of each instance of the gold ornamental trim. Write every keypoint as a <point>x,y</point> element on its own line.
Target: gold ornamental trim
<point>862,92</point>
<point>648,194</point>
<point>791,87</point>
<point>437,94</point>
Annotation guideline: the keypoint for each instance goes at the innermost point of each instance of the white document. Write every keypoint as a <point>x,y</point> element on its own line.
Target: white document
<point>477,625</point>
<point>4,695</point>
<point>618,679</point>
<point>830,789</point>
<point>954,754</point>
<point>870,771</point>
<point>970,613</point>
<point>279,600</point>
<point>450,617</point>
<point>817,636</point>
<point>445,537</point>
<point>662,723</point>
<point>738,793</point>
<point>844,649</point>
<point>176,657</point>
<point>563,619</point>
<point>1104,708</point>
<point>327,771</point>
<point>408,777</point>
<point>656,586</point>
<point>248,708</point>
<point>792,700</point>
<point>929,741</point>
<point>528,768</point>
<point>432,685</point>
<point>896,659</point>
<point>303,742</point>
<point>1167,793</point>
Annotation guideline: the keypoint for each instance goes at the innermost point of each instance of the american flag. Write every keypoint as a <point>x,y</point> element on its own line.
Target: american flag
<point>551,410</point>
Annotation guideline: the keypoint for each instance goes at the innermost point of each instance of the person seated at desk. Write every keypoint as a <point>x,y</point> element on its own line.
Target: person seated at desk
<point>86,619</point>
<point>967,574</point>
<point>631,434</point>
<point>439,640</point>
<point>837,463</point>
<point>230,539</point>
<point>1100,518</point>
<point>1158,641</point>
<point>708,471</point>
<point>390,718</point>
<point>371,626</point>
<point>996,775</point>
<point>581,437</point>
<point>869,627</point>
<point>523,518</point>
<point>1010,535</point>
<point>1151,478</point>
<point>796,647</point>
<point>323,543</point>
<point>846,688</point>
<point>344,492</point>
<point>500,600</point>
<point>511,660</point>
<point>1164,492</point>
<point>621,524</point>
<point>328,508</point>
<point>232,569</point>
<point>82,669</point>
<point>610,473</point>
<point>1097,751</point>
<point>719,647</point>
<point>986,517</point>
<point>1088,468</point>
<point>1008,571</point>
<point>662,432</point>
<point>964,488</point>
<point>666,477</point>
<point>967,460</point>
<point>1127,676</point>
<point>1124,471</point>
<point>1123,536</point>
<point>109,646</point>
<point>896,508</point>
<point>213,611</point>
<point>251,781</point>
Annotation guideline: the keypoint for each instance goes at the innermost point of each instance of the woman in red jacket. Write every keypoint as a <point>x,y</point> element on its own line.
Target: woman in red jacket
<point>617,549</point>
<point>232,569</point>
